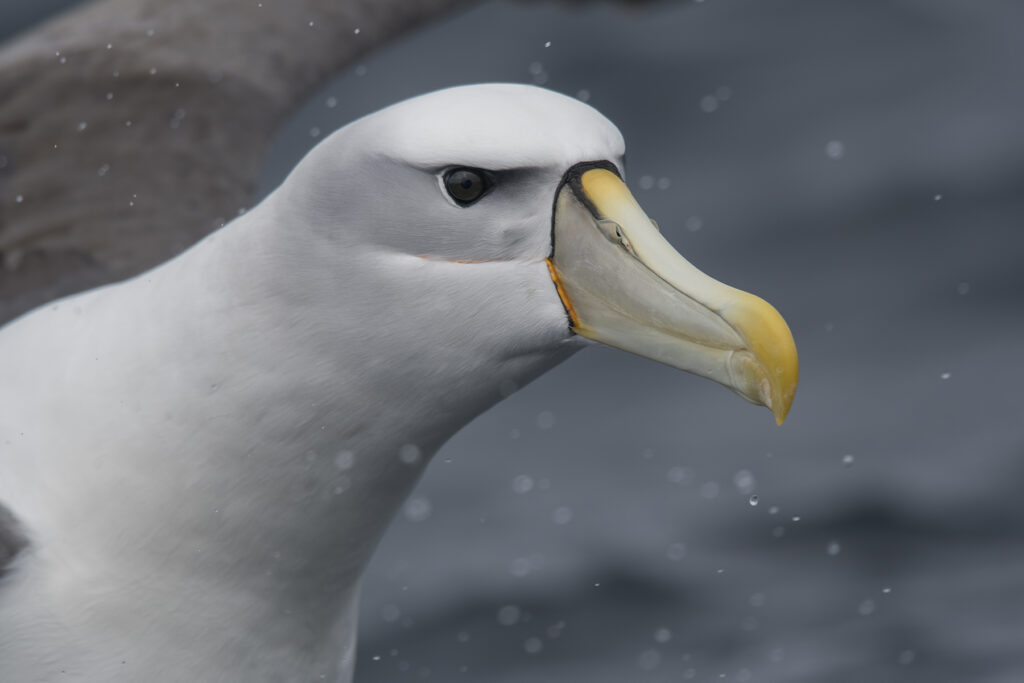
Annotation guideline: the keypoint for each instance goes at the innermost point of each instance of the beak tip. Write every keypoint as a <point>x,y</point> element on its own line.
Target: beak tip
<point>780,408</point>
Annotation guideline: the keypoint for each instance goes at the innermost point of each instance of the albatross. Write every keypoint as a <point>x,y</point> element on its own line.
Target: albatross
<point>197,463</point>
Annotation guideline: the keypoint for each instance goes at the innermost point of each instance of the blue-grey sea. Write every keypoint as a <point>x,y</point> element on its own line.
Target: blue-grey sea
<point>861,166</point>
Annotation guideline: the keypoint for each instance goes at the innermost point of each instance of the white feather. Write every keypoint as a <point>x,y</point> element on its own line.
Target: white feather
<point>204,457</point>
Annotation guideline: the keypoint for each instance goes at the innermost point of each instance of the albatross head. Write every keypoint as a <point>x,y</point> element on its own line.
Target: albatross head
<point>499,213</point>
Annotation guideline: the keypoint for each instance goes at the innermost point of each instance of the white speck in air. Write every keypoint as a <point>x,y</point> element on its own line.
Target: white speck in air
<point>835,149</point>
<point>508,615</point>
<point>522,484</point>
<point>561,515</point>
<point>418,509</point>
<point>409,454</point>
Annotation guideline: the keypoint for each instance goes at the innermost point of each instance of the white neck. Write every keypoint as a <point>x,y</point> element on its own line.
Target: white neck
<point>268,444</point>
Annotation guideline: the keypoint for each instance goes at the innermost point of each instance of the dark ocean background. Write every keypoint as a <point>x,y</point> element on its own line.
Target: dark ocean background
<point>861,166</point>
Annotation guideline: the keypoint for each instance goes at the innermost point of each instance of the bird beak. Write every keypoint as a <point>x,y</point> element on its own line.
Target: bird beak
<point>624,285</point>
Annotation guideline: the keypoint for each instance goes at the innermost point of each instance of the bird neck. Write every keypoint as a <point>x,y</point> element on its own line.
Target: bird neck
<point>284,406</point>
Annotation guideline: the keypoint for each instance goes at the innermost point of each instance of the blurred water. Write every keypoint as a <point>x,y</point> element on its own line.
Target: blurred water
<point>860,166</point>
<point>857,164</point>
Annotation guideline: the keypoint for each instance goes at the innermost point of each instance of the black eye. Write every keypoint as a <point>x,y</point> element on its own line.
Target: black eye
<point>466,185</point>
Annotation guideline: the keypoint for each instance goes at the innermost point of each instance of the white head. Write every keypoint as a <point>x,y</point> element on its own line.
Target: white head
<point>388,168</point>
<point>498,211</point>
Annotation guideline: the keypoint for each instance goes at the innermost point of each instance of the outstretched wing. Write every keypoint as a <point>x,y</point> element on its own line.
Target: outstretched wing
<point>12,539</point>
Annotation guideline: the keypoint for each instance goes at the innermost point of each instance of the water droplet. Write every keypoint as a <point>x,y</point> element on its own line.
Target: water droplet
<point>522,484</point>
<point>583,95</point>
<point>945,375</point>
<point>150,32</point>
<point>676,551</point>
<point>110,46</point>
<point>886,590</point>
<point>152,71</point>
<point>744,481</point>
<point>963,288</point>
<point>418,509</point>
<point>520,567</point>
<point>708,104</point>
<point>773,510</point>
<point>753,500</point>
<point>937,197</point>
<point>664,183</point>
<point>409,454</point>
<point>82,126</point>
<point>833,548</point>
<point>345,460</point>
<point>331,102</point>
<point>649,660</point>
<point>796,518</point>
<point>693,223</point>
<point>662,635</point>
<point>547,44</point>
<point>835,149</point>
<point>103,170</point>
<point>110,96</point>
<point>356,31</point>
<point>314,132</point>
<point>533,645</point>
<point>555,630</point>
<point>562,515</point>
<point>646,182</point>
<point>678,475</point>
<point>18,199</point>
<point>848,460</point>
<point>508,615</point>
<point>866,607</point>
<point>311,24</point>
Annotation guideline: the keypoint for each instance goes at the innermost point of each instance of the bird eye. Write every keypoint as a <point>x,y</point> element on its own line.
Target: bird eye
<point>466,185</point>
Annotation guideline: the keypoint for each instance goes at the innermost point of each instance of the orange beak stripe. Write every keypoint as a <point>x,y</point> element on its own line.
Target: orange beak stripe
<point>561,293</point>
